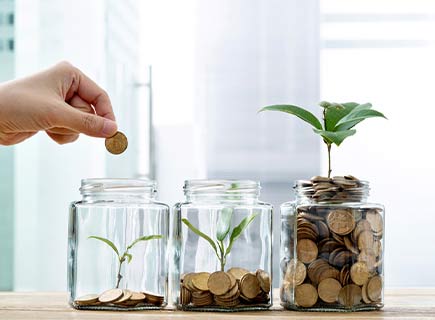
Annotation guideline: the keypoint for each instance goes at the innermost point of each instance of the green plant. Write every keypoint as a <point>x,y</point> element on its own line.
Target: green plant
<point>126,254</point>
<point>222,232</point>
<point>338,120</point>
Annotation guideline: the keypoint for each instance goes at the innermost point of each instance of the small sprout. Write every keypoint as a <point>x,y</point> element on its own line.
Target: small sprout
<point>126,254</point>
<point>222,232</point>
<point>338,120</point>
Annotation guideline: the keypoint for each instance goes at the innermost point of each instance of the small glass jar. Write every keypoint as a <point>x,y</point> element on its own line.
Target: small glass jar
<point>222,239</point>
<point>332,244</point>
<point>117,246</point>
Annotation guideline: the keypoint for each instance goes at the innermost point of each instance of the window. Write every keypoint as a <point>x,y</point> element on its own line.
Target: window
<point>11,44</point>
<point>1,18</point>
<point>1,45</point>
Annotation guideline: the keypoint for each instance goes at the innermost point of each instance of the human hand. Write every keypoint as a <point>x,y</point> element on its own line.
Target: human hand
<point>61,101</point>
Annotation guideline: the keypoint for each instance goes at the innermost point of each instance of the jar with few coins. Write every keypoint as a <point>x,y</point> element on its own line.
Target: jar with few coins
<point>332,247</point>
<point>222,247</point>
<point>117,246</point>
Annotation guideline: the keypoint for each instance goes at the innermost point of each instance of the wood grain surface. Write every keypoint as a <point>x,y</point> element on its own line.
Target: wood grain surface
<point>418,303</point>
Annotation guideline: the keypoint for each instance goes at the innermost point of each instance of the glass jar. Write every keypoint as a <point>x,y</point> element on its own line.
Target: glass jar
<point>117,246</point>
<point>222,247</point>
<point>332,244</point>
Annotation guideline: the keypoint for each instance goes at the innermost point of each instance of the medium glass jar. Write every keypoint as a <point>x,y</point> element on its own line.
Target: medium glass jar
<point>117,246</point>
<point>222,240</point>
<point>332,244</point>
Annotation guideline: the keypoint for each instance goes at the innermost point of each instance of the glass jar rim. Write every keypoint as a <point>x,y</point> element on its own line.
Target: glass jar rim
<point>117,185</point>
<point>221,186</point>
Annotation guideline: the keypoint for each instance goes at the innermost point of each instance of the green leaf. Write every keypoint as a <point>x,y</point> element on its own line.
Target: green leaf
<point>335,137</point>
<point>129,257</point>
<point>355,117</point>
<point>296,111</point>
<point>144,238</point>
<point>202,235</point>
<point>334,114</point>
<point>237,231</point>
<point>106,241</point>
<point>224,223</point>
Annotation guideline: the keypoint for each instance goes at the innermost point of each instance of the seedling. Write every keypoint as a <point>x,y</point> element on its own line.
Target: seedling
<point>222,232</point>
<point>126,255</point>
<point>338,120</point>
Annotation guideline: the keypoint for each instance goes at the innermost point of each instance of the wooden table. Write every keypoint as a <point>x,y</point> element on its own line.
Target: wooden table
<point>399,304</point>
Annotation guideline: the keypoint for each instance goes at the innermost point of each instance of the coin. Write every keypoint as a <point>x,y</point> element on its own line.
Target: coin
<point>365,297</point>
<point>116,144</point>
<point>375,220</point>
<point>329,289</point>
<point>126,294</point>
<point>86,300</point>
<point>340,221</point>
<point>374,288</point>
<point>350,295</point>
<point>110,295</point>
<point>359,273</point>
<point>219,283</point>
<point>185,295</point>
<point>295,273</point>
<point>154,298</point>
<point>366,240</point>
<point>238,273</point>
<point>187,281</point>
<point>137,296</point>
<point>249,286</point>
<point>306,250</point>
<point>199,281</point>
<point>263,279</point>
<point>306,295</point>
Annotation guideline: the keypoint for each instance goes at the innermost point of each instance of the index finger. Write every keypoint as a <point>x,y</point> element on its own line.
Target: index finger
<point>89,91</point>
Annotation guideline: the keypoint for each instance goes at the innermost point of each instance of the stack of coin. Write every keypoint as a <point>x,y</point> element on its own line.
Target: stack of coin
<point>236,287</point>
<point>336,189</point>
<point>338,261</point>
<point>120,298</point>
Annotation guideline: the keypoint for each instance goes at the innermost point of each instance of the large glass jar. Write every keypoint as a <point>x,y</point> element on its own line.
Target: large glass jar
<point>117,246</point>
<point>332,244</point>
<point>222,237</point>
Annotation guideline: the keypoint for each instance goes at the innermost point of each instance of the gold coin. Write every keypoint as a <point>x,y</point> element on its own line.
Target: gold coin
<point>187,281</point>
<point>295,273</point>
<point>306,250</point>
<point>368,256</point>
<point>87,299</point>
<point>341,222</point>
<point>126,294</point>
<point>263,279</point>
<point>350,295</point>
<point>365,297</point>
<point>154,298</point>
<point>375,220</point>
<point>219,283</point>
<point>199,281</point>
<point>238,273</point>
<point>359,273</point>
<point>137,296</point>
<point>110,295</point>
<point>366,240</point>
<point>117,144</point>
<point>329,289</point>
<point>306,295</point>
<point>185,295</point>
<point>249,286</point>
<point>374,288</point>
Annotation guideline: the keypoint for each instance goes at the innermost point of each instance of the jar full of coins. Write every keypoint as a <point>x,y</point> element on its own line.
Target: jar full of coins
<point>117,246</point>
<point>332,242</point>
<point>222,242</point>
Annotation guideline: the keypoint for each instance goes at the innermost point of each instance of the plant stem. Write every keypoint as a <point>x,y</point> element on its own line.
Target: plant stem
<point>119,274</point>
<point>329,159</point>
<point>222,258</point>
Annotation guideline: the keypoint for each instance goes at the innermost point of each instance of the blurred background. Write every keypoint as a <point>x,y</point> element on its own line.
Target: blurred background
<point>186,79</point>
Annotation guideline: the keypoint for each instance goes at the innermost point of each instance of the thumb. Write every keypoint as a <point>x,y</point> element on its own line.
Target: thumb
<point>87,123</point>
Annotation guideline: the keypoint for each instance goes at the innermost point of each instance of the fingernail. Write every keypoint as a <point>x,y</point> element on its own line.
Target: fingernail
<point>109,128</point>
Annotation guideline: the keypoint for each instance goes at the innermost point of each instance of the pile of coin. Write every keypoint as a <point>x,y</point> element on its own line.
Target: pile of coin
<point>230,289</point>
<point>338,261</point>
<point>336,189</point>
<point>123,298</point>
